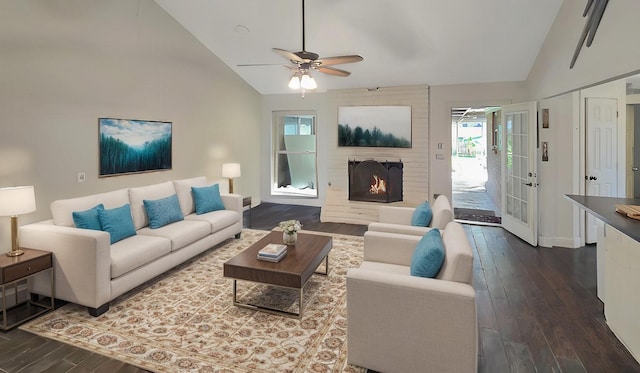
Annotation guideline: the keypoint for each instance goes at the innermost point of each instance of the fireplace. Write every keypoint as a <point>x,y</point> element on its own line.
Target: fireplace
<point>373,181</point>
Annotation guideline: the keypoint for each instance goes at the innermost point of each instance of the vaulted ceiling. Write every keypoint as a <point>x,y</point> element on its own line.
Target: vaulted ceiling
<point>407,42</point>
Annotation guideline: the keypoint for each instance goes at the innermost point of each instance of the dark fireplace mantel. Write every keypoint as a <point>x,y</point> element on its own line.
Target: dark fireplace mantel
<point>373,181</point>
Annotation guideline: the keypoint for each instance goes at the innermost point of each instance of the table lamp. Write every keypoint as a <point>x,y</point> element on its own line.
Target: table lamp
<point>231,170</point>
<point>16,201</point>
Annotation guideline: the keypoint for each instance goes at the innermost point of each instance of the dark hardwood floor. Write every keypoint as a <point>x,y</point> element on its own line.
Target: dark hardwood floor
<point>537,308</point>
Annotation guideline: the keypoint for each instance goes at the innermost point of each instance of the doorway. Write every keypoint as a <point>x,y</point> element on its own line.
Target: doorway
<point>475,166</point>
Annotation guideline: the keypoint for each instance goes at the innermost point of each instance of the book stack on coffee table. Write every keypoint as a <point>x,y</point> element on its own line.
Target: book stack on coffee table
<point>272,252</point>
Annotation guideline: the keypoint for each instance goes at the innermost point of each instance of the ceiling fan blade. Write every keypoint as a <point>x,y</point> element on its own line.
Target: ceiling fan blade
<point>333,71</point>
<point>339,60</point>
<point>288,55</point>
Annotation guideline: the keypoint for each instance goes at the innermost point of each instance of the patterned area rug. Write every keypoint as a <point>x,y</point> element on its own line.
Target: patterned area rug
<point>183,321</point>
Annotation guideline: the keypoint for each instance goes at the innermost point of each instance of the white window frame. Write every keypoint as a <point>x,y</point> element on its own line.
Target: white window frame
<point>277,138</point>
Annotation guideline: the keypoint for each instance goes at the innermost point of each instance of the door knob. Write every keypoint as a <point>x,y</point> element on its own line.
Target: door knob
<point>593,178</point>
<point>528,184</point>
<point>634,168</point>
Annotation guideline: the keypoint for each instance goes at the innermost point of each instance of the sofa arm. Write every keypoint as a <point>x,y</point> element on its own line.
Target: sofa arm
<point>395,215</point>
<point>81,261</point>
<point>232,202</point>
<point>391,248</point>
<point>398,228</point>
<point>400,323</point>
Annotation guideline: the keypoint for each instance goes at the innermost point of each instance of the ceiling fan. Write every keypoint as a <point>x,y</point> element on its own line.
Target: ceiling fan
<point>303,62</point>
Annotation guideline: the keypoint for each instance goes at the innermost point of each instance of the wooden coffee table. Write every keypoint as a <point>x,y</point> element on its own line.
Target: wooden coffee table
<point>293,271</point>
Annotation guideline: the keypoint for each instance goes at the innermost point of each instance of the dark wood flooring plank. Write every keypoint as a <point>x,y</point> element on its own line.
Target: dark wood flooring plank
<point>484,308</point>
<point>38,347</point>
<point>519,358</point>
<point>494,355</point>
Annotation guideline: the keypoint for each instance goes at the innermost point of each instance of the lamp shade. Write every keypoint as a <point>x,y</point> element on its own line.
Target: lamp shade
<point>231,170</point>
<point>294,83</point>
<point>307,82</point>
<point>17,200</point>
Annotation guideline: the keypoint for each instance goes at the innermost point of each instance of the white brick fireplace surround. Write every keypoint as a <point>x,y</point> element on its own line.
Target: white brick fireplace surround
<point>337,207</point>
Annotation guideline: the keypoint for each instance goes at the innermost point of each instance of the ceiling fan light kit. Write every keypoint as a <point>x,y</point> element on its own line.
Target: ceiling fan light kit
<point>303,62</point>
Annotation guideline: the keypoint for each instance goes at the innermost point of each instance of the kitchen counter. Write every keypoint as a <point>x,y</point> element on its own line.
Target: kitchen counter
<point>618,267</point>
<point>604,208</point>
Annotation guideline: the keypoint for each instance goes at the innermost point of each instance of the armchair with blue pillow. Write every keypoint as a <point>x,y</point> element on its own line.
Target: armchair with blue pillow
<point>411,305</point>
<point>414,220</point>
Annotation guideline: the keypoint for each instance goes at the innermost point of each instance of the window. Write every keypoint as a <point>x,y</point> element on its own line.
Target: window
<point>294,170</point>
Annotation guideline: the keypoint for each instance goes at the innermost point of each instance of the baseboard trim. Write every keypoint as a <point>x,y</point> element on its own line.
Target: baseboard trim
<point>567,242</point>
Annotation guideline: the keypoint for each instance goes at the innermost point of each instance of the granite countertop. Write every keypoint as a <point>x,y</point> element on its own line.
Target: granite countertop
<point>604,208</point>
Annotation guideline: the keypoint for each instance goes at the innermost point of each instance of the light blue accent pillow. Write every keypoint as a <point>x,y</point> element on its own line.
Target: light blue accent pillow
<point>118,222</point>
<point>163,211</point>
<point>88,219</point>
<point>207,199</point>
<point>429,255</point>
<point>422,215</point>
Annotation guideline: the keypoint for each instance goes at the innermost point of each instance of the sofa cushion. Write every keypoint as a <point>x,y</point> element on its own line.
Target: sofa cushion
<point>163,211</point>
<point>88,219</point>
<point>139,194</point>
<point>207,199</point>
<point>180,233</point>
<point>136,251</point>
<point>428,256</point>
<point>422,215</point>
<point>185,196</point>
<point>217,219</point>
<point>62,210</point>
<point>117,222</point>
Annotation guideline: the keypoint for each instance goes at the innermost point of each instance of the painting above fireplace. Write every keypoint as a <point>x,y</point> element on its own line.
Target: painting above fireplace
<point>374,126</point>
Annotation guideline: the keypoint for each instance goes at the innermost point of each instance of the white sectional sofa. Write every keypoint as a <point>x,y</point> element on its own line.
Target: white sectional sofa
<point>91,271</point>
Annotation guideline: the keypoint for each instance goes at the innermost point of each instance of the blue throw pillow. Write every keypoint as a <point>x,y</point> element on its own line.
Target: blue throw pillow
<point>429,255</point>
<point>88,219</point>
<point>207,199</point>
<point>422,215</point>
<point>163,211</point>
<point>117,222</point>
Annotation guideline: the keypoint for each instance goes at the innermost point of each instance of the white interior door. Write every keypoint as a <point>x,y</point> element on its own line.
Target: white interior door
<point>519,171</point>
<point>600,173</point>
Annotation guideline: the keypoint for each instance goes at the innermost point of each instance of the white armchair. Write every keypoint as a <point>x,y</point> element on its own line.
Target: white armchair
<point>396,219</point>
<point>402,323</point>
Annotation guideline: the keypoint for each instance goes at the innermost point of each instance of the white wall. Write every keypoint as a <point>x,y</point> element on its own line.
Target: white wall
<point>615,50</point>
<point>67,63</point>
<point>558,218</point>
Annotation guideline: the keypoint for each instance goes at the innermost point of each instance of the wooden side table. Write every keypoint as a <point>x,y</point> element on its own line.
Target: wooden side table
<point>16,273</point>
<point>246,201</point>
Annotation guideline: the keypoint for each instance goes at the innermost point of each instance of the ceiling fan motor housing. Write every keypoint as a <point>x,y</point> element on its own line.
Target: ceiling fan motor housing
<point>310,56</point>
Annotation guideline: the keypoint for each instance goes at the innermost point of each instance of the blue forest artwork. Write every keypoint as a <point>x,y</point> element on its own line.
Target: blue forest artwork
<point>131,146</point>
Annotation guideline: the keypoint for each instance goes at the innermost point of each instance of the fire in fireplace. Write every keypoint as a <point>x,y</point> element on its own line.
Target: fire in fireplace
<point>373,181</point>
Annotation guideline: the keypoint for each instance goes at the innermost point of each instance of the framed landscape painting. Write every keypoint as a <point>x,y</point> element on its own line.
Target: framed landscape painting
<point>374,126</point>
<point>133,146</point>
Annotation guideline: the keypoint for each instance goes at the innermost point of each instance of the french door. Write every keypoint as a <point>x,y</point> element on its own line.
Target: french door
<point>519,171</point>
